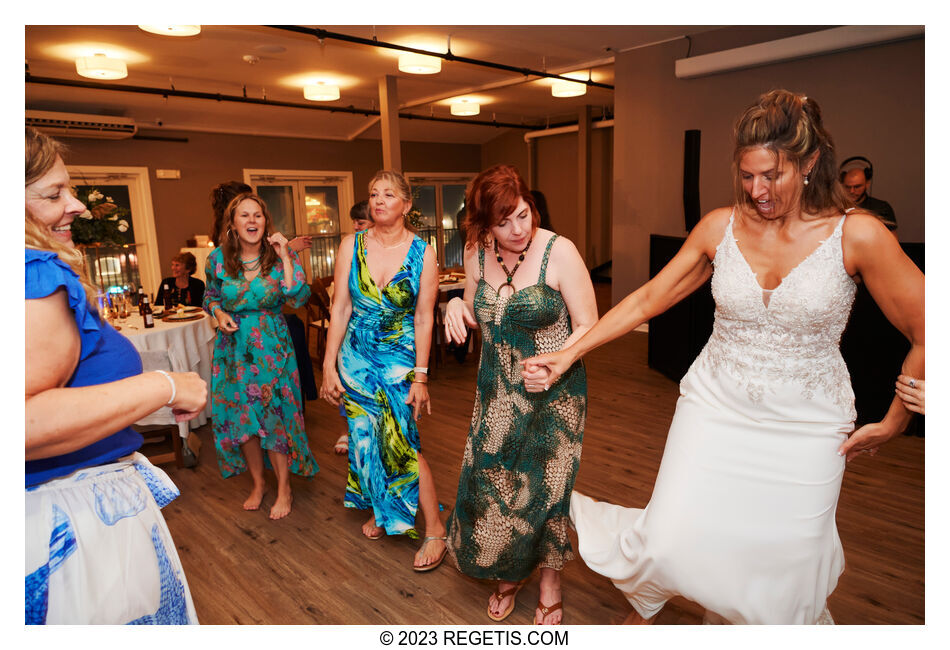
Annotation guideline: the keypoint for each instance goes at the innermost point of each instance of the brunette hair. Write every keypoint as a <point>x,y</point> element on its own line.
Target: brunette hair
<point>400,185</point>
<point>231,247</point>
<point>361,211</point>
<point>790,126</point>
<point>493,195</point>
<point>42,152</point>
<point>186,258</point>
<point>221,197</point>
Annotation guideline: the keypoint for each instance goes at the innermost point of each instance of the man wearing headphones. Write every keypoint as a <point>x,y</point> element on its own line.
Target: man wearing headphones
<point>857,181</point>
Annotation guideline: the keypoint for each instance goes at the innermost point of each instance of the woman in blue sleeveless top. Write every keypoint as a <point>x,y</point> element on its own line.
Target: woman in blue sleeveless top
<point>97,547</point>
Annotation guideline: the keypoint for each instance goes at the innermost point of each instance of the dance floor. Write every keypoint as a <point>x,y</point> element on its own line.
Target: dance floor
<point>315,567</point>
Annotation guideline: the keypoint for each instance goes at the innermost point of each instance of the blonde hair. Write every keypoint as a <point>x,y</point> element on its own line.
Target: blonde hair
<point>400,185</point>
<point>42,152</point>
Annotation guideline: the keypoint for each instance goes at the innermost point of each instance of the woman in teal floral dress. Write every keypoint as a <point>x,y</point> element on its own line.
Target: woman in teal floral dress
<point>377,351</point>
<point>255,385</point>
<point>529,291</point>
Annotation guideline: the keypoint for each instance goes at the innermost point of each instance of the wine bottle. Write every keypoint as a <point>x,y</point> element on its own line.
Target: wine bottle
<point>147,314</point>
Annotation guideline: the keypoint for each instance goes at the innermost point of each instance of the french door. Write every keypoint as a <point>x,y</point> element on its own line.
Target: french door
<point>315,203</point>
<point>441,200</point>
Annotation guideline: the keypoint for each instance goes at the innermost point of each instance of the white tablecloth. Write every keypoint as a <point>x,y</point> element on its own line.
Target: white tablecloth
<point>189,346</point>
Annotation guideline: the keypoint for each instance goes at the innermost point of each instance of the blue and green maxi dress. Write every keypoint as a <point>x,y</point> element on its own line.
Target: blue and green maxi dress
<point>375,364</point>
<point>255,384</point>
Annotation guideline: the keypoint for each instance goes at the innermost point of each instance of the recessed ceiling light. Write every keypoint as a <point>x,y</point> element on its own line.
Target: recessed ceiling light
<point>172,30</point>
<point>100,66</point>
<point>419,63</point>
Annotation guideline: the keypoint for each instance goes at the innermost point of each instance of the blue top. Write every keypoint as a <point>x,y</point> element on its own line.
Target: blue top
<point>105,356</point>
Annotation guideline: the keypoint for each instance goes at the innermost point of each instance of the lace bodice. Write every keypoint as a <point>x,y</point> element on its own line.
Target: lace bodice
<point>789,335</point>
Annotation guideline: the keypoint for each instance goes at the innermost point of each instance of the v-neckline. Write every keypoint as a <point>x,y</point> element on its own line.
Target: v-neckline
<point>402,265</point>
<point>781,282</point>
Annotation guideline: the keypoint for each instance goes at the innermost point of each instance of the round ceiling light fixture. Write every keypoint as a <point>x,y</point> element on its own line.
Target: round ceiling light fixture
<point>419,63</point>
<point>321,92</point>
<point>568,88</point>
<point>172,30</point>
<point>465,107</point>
<point>100,66</point>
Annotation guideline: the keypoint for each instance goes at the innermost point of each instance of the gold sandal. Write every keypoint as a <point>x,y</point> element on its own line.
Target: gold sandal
<point>433,565</point>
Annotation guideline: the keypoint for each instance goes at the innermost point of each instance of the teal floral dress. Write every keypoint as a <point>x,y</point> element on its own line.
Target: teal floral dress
<point>255,384</point>
<point>523,449</point>
<point>375,364</point>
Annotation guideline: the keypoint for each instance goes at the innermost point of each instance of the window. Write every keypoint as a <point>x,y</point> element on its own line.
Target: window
<point>441,199</point>
<point>307,203</point>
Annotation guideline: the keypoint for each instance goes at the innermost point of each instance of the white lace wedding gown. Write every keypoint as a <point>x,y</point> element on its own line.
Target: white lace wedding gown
<point>742,517</point>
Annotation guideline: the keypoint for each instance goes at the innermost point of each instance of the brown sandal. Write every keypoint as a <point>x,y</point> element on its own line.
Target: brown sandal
<point>511,591</point>
<point>545,610</point>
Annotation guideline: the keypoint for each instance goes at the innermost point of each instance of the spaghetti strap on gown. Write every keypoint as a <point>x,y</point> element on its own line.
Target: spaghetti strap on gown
<point>742,516</point>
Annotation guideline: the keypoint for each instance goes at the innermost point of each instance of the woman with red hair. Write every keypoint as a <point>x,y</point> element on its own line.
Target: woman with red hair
<point>529,295</point>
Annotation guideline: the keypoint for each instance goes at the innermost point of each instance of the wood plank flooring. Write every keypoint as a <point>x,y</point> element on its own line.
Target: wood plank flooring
<point>314,567</point>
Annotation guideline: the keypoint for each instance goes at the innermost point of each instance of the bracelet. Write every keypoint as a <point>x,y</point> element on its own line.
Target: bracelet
<point>170,381</point>
<point>424,371</point>
<point>424,383</point>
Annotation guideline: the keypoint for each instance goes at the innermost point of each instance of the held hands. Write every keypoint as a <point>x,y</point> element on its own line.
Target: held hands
<point>911,392</point>
<point>418,398</point>
<point>225,322</point>
<point>332,388</point>
<point>457,321</point>
<point>191,395</point>
<point>281,245</point>
<point>556,363</point>
<point>536,377</point>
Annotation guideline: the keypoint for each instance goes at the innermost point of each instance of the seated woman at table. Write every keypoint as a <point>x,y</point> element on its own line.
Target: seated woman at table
<point>255,385</point>
<point>98,550</point>
<point>185,289</point>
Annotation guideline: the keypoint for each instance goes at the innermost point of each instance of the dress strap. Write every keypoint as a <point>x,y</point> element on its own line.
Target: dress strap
<point>544,262</point>
<point>481,262</point>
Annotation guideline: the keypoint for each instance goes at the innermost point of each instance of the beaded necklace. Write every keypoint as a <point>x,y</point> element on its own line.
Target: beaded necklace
<point>247,265</point>
<point>510,274</point>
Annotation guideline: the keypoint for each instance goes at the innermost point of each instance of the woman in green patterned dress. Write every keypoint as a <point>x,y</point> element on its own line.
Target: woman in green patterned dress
<point>377,351</point>
<point>530,292</point>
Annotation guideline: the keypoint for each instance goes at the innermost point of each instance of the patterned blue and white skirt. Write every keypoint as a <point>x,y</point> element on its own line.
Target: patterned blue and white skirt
<point>98,550</point>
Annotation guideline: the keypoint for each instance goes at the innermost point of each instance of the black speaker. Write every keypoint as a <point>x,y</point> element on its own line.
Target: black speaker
<point>691,178</point>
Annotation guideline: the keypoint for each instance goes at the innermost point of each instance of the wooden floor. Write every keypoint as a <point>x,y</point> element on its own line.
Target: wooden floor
<point>314,567</point>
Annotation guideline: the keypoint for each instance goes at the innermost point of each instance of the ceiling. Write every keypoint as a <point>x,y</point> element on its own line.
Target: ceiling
<point>283,61</point>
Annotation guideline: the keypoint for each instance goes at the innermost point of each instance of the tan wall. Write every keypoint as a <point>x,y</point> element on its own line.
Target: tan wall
<point>871,100</point>
<point>183,207</point>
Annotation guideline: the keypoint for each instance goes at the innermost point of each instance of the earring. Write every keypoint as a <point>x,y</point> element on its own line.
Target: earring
<point>806,178</point>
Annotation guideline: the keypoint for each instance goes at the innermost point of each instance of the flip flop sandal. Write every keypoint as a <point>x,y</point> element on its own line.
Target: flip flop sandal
<point>545,610</point>
<point>341,446</point>
<point>434,565</point>
<point>511,591</point>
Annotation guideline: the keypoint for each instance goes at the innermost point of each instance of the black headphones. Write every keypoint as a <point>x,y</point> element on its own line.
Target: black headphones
<point>868,171</point>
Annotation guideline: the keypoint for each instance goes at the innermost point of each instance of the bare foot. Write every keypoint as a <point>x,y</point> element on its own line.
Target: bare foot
<point>253,501</point>
<point>634,618</point>
<point>281,507</point>
<point>549,597</point>
<point>371,530</point>
<point>497,606</point>
<point>430,552</point>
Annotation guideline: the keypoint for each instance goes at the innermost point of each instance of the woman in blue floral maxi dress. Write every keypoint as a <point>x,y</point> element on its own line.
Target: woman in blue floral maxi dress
<point>255,384</point>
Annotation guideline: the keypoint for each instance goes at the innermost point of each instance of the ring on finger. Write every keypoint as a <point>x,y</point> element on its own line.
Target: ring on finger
<point>913,383</point>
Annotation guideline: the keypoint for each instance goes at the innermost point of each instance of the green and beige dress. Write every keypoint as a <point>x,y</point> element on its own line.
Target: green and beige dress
<point>523,449</point>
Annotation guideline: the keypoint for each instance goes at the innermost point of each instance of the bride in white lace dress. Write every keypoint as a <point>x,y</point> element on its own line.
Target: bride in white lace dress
<point>742,516</point>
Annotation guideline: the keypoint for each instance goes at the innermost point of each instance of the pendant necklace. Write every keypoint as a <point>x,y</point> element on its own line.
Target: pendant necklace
<point>247,265</point>
<point>384,247</point>
<point>510,274</point>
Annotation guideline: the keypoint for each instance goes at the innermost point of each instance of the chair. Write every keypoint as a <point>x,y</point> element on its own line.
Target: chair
<point>318,315</point>
<point>161,424</point>
<point>439,349</point>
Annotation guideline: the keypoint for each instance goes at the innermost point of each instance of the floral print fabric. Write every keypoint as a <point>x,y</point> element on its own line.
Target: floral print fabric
<point>255,384</point>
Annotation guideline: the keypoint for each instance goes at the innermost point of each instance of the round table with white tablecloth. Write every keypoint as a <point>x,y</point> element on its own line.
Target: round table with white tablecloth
<point>189,346</point>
